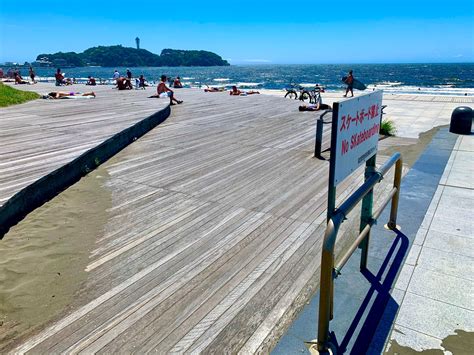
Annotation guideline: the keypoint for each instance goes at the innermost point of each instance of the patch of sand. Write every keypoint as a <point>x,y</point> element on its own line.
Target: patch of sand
<point>42,259</point>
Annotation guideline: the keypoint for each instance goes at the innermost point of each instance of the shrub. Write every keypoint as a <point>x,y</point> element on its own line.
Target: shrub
<point>387,128</point>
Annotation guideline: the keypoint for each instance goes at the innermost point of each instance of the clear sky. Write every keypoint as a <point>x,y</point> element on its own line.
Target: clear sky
<point>247,31</point>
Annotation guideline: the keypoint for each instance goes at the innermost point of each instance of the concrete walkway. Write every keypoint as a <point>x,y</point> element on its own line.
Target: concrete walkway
<point>436,285</point>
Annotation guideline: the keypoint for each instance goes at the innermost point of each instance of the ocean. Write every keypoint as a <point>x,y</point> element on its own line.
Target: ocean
<point>438,79</point>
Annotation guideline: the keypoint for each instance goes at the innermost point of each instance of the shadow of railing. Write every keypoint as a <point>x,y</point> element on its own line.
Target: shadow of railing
<point>383,305</point>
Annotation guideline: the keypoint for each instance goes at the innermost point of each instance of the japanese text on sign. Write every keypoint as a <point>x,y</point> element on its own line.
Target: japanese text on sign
<point>358,125</point>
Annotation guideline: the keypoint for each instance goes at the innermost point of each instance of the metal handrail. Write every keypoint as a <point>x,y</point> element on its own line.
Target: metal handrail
<point>328,271</point>
<point>319,133</point>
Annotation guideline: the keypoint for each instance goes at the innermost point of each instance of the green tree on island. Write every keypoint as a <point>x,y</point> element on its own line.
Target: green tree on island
<point>114,56</point>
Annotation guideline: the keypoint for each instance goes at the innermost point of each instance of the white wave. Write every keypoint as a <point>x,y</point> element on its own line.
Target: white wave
<point>308,85</point>
<point>249,84</point>
<point>221,79</point>
<point>186,78</point>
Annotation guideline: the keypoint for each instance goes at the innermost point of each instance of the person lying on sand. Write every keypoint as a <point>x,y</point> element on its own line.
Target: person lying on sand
<point>314,107</point>
<point>236,92</point>
<point>63,94</point>
<point>163,91</point>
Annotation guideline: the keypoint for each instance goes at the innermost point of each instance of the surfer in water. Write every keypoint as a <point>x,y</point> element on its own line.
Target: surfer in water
<point>350,82</point>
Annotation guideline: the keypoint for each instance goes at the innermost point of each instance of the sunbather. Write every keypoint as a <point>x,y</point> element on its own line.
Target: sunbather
<point>91,81</point>
<point>163,91</point>
<point>314,107</point>
<point>59,78</point>
<point>19,79</point>
<point>213,89</point>
<point>124,84</point>
<point>236,92</point>
<point>63,94</point>
<point>177,83</point>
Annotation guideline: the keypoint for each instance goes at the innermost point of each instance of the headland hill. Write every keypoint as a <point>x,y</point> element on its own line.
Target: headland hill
<point>119,56</point>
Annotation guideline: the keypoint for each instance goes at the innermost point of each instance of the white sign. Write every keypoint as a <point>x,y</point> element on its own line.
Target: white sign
<point>358,125</point>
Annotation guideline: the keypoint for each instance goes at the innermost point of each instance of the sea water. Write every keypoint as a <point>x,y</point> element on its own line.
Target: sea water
<point>438,79</point>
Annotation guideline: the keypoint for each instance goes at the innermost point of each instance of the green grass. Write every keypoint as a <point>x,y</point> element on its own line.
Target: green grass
<point>387,128</point>
<point>10,96</point>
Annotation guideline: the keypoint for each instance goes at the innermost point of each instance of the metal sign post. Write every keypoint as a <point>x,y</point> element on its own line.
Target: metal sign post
<point>354,141</point>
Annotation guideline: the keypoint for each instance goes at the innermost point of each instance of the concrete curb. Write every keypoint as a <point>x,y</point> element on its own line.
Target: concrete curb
<point>44,189</point>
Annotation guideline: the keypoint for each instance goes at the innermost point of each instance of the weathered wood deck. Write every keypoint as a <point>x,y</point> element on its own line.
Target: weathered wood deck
<point>213,239</point>
<point>40,136</point>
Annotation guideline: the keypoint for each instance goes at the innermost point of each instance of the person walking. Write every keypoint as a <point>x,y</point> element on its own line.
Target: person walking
<point>32,75</point>
<point>350,82</point>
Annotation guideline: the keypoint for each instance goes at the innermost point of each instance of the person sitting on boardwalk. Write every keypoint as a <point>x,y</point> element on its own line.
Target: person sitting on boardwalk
<point>177,83</point>
<point>19,79</point>
<point>91,81</point>
<point>163,91</point>
<point>123,84</point>
<point>314,107</point>
<point>236,92</point>
<point>59,78</point>
<point>63,94</point>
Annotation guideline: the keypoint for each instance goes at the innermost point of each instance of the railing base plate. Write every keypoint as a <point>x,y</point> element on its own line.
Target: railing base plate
<point>397,227</point>
<point>313,348</point>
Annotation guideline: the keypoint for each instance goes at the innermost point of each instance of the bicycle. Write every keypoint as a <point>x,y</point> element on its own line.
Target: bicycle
<point>303,94</point>
<point>315,95</point>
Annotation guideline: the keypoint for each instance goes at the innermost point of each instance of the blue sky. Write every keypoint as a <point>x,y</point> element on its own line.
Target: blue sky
<point>247,32</point>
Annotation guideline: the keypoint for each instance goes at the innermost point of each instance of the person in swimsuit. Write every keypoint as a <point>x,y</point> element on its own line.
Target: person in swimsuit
<point>208,89</point>
<point>314,107</point>
<point>19,79</point>
<point>60,94</point>
<point>164,91</point>
<point>177,83</point>
<point>91,81</point>
<point>236,92</point>
<point>123,84</point>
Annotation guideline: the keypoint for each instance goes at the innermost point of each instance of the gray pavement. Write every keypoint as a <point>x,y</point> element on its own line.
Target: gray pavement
<point>436,285</point>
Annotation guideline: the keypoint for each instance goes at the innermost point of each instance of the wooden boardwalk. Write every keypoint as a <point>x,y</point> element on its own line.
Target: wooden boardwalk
<point>213,239</point>
<point>40,136</point>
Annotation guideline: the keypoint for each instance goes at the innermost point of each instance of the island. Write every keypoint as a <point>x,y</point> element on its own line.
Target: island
<point>119,56</point>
